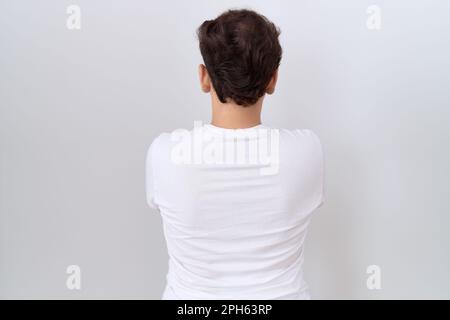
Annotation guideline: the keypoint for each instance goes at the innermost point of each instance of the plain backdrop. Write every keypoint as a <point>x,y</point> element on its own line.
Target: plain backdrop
<point>79,108</point>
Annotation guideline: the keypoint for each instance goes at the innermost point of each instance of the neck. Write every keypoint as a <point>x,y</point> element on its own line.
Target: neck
<point>233,116</point>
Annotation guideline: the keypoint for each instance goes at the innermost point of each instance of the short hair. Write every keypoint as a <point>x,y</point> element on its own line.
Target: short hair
<point>241,52</point>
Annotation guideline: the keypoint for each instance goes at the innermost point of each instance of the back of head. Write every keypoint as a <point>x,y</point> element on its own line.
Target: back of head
<point>241,52</point>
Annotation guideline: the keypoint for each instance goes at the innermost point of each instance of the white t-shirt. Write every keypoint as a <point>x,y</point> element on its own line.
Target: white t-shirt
<point>235,207</point>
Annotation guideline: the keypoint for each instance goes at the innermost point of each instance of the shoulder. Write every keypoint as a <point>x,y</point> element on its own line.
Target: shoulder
<point>300,137</point>
<point>300,147</point>
<point>161,140</point>
<point>299,133</point>
<point>157,145</point>
<point>164,143</point>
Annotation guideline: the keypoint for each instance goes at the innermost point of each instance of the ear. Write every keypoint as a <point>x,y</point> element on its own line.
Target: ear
<point>205,82</point>
<point>273,82</point>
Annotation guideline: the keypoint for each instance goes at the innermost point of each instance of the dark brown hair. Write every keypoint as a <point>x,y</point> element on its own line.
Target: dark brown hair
<point>241,52</point>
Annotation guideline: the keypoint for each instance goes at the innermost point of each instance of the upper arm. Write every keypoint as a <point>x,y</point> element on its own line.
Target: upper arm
<point>318,164</point>
<point>150,177</point>
<point>320,169</point>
